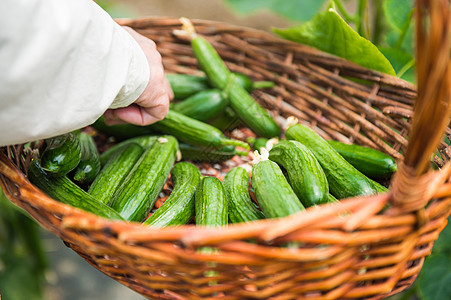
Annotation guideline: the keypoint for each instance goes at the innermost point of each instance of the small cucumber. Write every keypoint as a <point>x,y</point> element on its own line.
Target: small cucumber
<point>194,132</point>
<point>274,194</point>
<point>145,141</point>
<point>114,172</point>
<point>211,203</point>
<point>178,209</point>
<point>248,110</point>
<point>369,161</point>
<point>344,180</point>
<point>203,106</point>
<point>185,85</point>
<point>89,165</point>
<point>121,131</point>
<point>241,207</point>
<point>62,189</point>
<point>62,154</point>
<point>305,174</point>
<point>197,154</point>
<point>139,191</point>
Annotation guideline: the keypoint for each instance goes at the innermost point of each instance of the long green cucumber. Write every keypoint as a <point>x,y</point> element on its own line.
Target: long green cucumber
<point>178,209</point>
<point>305,174</point>
<point>203,106</point>
<point>139,191</point>
<point>371,162</point>
<point>89,165</point>
<point>62,154</point>
<point>212,155</point>
<point>185,85</point>
<point>344,180</point>
<point>274,194</point>
<point>194,132</point>
<point>145,141</point>
<point>115,171</point>
<point>121,131</point>
<point>227,121</point>
<point>62,189</point>
<point>211,203</point>
<point>241,207</point>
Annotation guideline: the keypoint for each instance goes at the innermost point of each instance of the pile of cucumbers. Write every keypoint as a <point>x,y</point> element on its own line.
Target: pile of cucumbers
<point>125,181</point>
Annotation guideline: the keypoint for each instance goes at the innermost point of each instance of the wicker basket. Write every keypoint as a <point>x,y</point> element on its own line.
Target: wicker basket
<point>357,248</point>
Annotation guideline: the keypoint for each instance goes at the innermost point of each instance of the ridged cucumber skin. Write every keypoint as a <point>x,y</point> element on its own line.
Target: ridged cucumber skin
<point>241,207</point>
<point>139,191</point>
<point>178,209</point>
<point>121,131</point>
<point>274,194</point>
<point>114,172</point>
<point>247,109</point>
<point>371,162</point>
<point>89,165</point>
<point>305,174</point>
<point>62,189</point>
<point>211,203</point>
<point>62,154</point>
<point>185,85</point>
<point>203,106</point>
<point>197,154</point>
<point>145,141</point>
<point>193,132</point>
<point>344,180</point>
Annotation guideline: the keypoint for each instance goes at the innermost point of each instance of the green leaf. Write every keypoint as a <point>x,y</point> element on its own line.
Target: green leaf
<point>397,11</point>
<point>435,278</point>
<point>402,61</point>
<point>296,10</point>
<point>392,39</point>
<point>330,33</point>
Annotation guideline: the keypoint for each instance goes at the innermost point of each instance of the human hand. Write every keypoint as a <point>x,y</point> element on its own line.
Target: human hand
<point>153,104</point>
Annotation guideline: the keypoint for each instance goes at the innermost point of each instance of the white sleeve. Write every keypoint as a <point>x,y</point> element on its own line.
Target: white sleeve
<point>62,64</point>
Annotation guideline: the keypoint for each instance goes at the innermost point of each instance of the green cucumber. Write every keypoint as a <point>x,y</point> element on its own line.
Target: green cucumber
<point>227,121</point>
<point>259,143</point>
<point>114,172</point>
<point>62,154</point>
<point>145,141</point>
<point>211,203</point>
<point>178,209</point>
<point>185,85</point>
<point>248,110</point>
<point>62,189</point>
<point>344,180</point>
<point>89,165</point>
<point>371,162</point>
<point>194,132</point>
<point>197,154</point>
<point>203,106</point>
<point>241,207</point>
<point>379,187</point>
<point>274,194</point>
<point>121,131</point>
<point>305,174</point>
<point>139,191</point>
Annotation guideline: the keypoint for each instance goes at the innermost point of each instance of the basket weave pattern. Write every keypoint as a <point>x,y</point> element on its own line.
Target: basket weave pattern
<point>358,248</point>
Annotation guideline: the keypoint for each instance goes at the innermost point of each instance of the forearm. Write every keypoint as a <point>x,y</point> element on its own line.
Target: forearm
<point>63,63</point>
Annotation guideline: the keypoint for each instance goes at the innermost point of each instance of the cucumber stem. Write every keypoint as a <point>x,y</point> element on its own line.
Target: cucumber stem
<point>262,84</point>
<point>241,153</point>
<point>187,30</point>
<point>237,143</point>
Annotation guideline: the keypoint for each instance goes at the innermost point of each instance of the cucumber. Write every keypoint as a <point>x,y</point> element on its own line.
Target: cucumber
<point>227,121</point>
<point>379,187</point>
<point>121,131</point>
<point>114,172</point>
<point>62,154</point>
<point>185,85</point>
<point>178,209</point>
<point>203,106</point>
<point>197,154</point>
<point>145,141</point>
<point>241,207</point>
<point>344,180</point>
<point>259,143</point>
<point>194,132</point>
<point>274,194</point>
<point>247,109</point>
<point>139,191</point>
<point>62,189</point>
<point>305,174</point>
<point>89,165</point>
<point>211,203</point>
<point>369,161</point>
